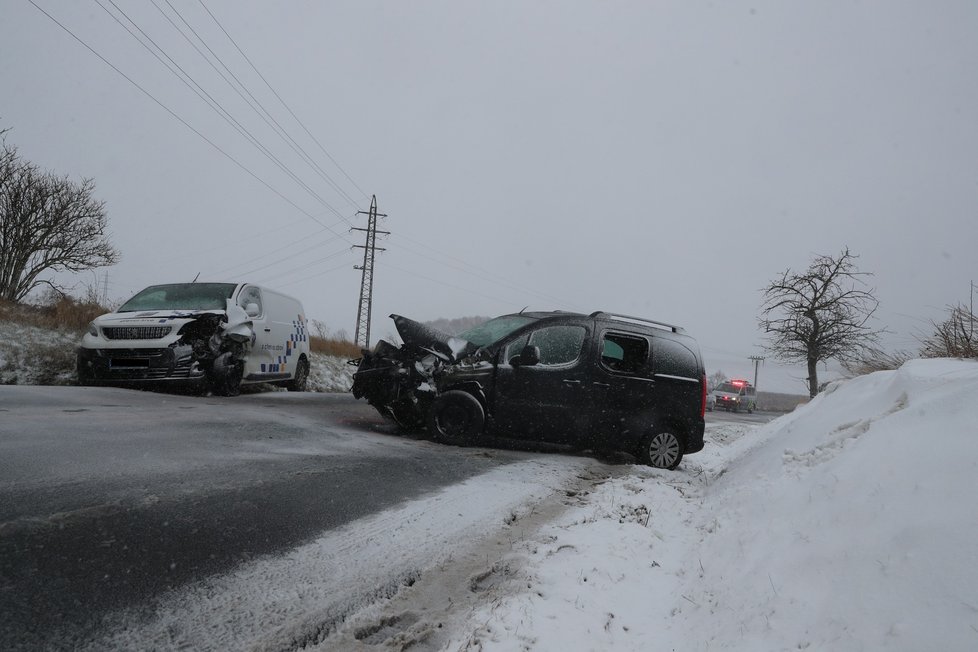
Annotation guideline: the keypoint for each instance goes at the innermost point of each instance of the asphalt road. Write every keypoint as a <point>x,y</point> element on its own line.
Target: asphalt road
<point>111,497</point>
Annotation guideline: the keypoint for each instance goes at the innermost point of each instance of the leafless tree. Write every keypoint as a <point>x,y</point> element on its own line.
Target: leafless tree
<point>47,224</point>
<point>715,379</point>
<point>874,359</point>
<point>820,314</point>
<point>956,336</point>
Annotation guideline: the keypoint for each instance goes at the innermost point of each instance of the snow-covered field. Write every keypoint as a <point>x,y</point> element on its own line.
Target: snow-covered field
<point>850,524</point>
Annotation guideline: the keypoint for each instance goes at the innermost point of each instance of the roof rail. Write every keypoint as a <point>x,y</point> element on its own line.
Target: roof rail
<point>672,327</point>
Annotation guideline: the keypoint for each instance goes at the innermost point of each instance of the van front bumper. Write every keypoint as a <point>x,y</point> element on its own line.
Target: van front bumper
<point>137,365</point>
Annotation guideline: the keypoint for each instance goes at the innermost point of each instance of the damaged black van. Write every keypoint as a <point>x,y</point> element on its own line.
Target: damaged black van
<point>600,381</point>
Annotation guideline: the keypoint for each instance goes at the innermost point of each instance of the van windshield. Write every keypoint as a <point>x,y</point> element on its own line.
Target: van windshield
<point>495,329</point>
<point>181,296</point>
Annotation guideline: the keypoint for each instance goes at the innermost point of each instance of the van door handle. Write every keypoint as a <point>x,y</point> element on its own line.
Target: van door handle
<point>602,385</point>
<point>268,330</point>
<point>568,381</point>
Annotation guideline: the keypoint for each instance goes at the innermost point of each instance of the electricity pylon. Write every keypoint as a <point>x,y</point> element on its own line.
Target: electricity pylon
<point>367,279</point>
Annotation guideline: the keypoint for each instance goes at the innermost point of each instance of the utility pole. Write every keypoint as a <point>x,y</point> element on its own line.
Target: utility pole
<point>758,359</point>
<point>367,279</point>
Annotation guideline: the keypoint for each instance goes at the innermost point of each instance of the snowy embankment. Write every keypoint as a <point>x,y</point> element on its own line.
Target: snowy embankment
<point>850,524</point>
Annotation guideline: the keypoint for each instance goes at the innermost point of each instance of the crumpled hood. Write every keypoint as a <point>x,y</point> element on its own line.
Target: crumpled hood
<point>417,335</point>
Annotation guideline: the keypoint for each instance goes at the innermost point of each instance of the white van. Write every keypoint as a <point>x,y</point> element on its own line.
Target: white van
<point>220,335</point>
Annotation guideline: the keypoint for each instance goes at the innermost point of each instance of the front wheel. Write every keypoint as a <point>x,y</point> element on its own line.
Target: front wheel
<point>456,417</point>
<point>663,450</point>
<point>300,378</point>
<point>226,375</point>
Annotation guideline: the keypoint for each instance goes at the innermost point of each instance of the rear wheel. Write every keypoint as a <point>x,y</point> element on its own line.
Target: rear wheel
<point>663,450</point>
<point>456,417</point>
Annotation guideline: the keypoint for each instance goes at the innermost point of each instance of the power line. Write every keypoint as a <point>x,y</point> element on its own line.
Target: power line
<point>292,256</point>
<point>177,117</point>
<point>306,266</point>
<point>287,108</point>
<point>253,101</point>
<point>208,99</point>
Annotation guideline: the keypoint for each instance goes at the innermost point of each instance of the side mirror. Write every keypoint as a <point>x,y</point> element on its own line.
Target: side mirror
<point>252,310</point>
<point>528,357</point>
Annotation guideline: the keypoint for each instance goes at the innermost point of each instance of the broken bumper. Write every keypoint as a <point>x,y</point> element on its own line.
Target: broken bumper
<point>138,365</point>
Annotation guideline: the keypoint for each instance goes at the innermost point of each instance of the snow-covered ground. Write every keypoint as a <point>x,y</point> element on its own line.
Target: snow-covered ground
<point>850,524</point>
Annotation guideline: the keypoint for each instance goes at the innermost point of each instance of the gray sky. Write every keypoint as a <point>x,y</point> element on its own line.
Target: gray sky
<point>659,159</point>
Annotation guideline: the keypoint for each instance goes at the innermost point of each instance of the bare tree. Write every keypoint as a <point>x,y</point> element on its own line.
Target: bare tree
<point>47,224</point>
<point>820,314</point>
<point>956,336</point>
<point>715,379</point>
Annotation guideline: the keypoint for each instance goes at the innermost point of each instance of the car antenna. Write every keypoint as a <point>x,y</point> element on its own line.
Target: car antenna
<point>195,278</point>
<point>524,308</point>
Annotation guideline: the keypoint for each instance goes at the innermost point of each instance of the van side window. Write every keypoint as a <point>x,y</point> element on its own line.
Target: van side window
<point>251,294</point>
<point>623,352</point>
<point>673,359</point>
<point>558,344</point>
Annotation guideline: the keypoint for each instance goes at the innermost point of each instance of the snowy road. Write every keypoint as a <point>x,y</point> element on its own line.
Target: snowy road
<point>113,502</point>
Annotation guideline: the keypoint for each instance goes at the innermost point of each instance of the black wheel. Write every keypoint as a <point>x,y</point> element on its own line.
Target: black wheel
<point>456,417</point>
<point>663,450</point>
<point>226,375</point>
<point>300,378</point>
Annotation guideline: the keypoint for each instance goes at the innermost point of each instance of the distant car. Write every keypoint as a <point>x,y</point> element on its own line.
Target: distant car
<point>711,402</point>
<point>218,335</point>
<point>599,381</point>
<point>736,395</point>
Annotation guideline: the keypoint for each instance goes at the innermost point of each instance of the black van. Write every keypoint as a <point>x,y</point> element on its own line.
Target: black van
<point>601,381</point>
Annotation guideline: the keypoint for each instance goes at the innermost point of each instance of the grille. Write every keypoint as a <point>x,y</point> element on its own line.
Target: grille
<point>136,332</point>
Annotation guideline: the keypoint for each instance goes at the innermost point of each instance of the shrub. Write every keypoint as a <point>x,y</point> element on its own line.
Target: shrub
<point>334,347</point>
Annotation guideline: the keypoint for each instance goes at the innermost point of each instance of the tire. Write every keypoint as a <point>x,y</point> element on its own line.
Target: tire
<point>663,450</point>
<point>226,375</point>
<point>300,379</point>
<point>456,417</point>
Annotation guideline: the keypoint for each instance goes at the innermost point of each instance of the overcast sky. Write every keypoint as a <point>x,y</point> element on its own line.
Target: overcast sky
<point>658,159</point>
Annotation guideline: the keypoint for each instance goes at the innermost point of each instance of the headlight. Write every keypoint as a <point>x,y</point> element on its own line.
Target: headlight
<point>93,329</point>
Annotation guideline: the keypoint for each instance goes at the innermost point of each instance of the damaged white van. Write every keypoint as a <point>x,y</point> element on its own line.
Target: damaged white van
<point>216,335</point>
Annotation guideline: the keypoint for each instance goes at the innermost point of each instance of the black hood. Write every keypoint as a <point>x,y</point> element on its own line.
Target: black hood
<point>419,336</point>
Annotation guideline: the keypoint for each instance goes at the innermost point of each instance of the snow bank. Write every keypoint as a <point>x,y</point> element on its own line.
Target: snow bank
<point>850,524</point>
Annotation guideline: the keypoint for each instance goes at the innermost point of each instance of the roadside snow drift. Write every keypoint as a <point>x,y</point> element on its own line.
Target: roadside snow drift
<point>850,524</point>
